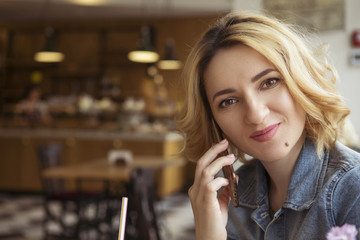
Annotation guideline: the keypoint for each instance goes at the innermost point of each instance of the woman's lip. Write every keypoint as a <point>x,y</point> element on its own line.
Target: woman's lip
<point>265,134</point>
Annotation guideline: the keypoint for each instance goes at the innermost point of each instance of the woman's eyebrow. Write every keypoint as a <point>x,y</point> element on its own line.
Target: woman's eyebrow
<point>224,91</point>
<point>261,74</point>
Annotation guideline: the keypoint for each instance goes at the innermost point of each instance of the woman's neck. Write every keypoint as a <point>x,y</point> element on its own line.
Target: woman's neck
<point>280,173</point>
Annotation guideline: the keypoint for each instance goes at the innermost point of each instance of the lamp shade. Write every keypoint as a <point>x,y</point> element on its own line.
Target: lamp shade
<point>49,53</point>
<point>143,56</point>
<point>170,62</point>
<point>145,52</point>
<point>49,56</point>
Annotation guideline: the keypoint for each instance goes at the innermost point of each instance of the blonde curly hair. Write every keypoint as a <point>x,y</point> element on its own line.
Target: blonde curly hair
<point>308,76</point>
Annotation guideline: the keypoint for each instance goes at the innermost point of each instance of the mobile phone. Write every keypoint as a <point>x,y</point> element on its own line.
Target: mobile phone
<point>228,171</point>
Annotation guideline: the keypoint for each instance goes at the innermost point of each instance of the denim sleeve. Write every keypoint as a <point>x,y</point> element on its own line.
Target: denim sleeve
<point>346,198</point>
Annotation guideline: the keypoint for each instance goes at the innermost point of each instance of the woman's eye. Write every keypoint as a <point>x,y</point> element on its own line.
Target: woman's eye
<point>270,83</point>
<point>227,102</point>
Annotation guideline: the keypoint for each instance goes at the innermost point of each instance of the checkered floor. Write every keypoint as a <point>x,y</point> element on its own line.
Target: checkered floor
<point>21,217</point>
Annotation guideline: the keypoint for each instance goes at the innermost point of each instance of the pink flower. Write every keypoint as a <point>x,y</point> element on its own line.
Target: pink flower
<point>345,232</point>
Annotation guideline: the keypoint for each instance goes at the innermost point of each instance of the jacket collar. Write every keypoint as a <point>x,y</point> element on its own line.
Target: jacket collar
<point>307,178</point>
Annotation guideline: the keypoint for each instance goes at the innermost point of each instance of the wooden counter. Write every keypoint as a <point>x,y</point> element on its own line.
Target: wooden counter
<point>19,168</point>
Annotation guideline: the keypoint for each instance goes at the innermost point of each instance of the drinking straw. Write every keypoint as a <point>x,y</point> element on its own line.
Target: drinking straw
<point>123,218</point>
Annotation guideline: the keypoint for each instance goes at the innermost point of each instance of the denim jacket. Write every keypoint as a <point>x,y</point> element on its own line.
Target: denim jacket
<point>322,193</point>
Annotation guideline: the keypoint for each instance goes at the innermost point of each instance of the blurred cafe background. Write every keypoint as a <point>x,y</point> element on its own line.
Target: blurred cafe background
<point>88,93</point>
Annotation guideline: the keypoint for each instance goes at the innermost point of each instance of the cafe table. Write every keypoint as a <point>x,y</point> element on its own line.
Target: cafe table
<point>102,170</point>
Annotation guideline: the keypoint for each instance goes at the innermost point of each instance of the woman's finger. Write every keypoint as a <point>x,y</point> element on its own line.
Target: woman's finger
<point>211,170</point>
<point>207,158</point>
<point>212,187</point>
<point>208,195</point>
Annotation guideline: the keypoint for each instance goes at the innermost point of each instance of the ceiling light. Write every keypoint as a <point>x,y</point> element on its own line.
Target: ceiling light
<point>49,53</point>
<point>145,52</point>
<point>89,2</point>
<point>170,62</point>
<point>44,56</point>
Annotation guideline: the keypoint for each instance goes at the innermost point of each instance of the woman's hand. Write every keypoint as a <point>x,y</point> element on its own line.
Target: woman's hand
<point>210,209</point>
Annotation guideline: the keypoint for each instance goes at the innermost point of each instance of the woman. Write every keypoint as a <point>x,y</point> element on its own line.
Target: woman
<point>32,109</point>
<point>252,80</point>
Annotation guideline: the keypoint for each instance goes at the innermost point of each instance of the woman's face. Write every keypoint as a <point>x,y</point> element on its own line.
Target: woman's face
<point>252,104</point>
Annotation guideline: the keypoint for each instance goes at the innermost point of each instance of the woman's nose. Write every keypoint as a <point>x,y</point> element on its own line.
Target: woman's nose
<point>256,111</point>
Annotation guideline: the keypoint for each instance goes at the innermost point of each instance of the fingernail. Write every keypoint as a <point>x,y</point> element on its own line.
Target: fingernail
<point>231,155</point>
<point>223,141</point>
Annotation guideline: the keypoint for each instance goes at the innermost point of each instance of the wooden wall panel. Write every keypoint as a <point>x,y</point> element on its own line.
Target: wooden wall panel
<point>93,49</point>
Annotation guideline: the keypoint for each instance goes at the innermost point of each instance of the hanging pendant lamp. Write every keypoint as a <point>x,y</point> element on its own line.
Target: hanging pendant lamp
<point>145,52</point>
<point>170,62</point>
<point>49,53</point>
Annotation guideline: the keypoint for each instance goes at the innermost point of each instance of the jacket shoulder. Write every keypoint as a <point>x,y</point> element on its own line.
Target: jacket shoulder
<point>343,157</point>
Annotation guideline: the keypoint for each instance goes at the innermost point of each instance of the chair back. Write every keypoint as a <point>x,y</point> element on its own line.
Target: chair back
<point>142,197</point>
<point>49,156</point>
